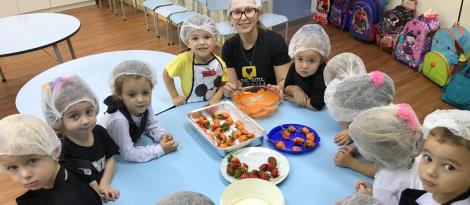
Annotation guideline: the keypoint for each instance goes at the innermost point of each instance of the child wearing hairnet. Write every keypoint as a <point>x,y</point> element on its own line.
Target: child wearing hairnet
<point>304,85</point>
<point>201,72</point>
<point>129,113</point>
<point>444,169</point>
<point>346,98</point>
<point>29,152</point>
<point>391,137</point>
<point>70,108</point>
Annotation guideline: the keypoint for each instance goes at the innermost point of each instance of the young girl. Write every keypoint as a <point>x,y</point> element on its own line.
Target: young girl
<point>444,169</point>
<point>70,108</point>
<point>202,73</point>
<point>304,85</point>
<point>129,113</point>
<point>391,137</point>
<point>348,97</point>
<point>29,150</point>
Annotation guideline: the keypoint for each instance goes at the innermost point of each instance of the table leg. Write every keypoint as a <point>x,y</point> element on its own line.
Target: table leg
<point>2,76</point>
<point>71,48</point>
<point>57,54</point>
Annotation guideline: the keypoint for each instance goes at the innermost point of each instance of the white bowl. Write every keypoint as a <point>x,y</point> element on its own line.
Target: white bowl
<point>250,192</point>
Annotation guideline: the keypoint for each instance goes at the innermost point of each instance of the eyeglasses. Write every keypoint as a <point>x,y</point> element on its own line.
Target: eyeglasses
<point>238,14</point>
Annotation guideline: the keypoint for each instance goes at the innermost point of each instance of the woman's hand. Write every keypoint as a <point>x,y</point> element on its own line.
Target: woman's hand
<point>229,89</point>
<point>276,89</point>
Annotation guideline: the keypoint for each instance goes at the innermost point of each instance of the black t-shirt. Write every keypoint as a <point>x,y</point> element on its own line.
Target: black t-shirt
<point>68,189</point>
<point>313,86</point>
<point>409,197</point>
<point>103,148</point>
<point>269,50</point>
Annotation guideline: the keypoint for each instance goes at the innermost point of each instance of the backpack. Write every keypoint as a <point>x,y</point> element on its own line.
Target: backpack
<point>415,41</point>
<point>364,20</point>
<point>457,92</point>
<point>392,24</point>
<point>321,12</point>
<point>450,50</point>
<point>340,13</point>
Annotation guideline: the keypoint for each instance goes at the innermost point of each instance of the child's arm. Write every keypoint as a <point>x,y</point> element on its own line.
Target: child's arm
<point>108,193</point>
<point>344,158</point>
<point>232,84</point>
<point>219,94</point>
<point>170,86</point>
<point>343,137</point>
<point>295,94</point>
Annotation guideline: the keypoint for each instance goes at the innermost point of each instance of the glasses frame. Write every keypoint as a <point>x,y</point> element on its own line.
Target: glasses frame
<point>244,13</point>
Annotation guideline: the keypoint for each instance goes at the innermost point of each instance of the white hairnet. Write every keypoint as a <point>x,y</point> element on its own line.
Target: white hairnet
<point>359,199</point>
<point>60,94</point>
<point>198,22</point>
<point>185,198</point>
<point>342,66</point>
<point>133,67</point>
<point>389,134</point>
<point>310,37</point>
<point>456,121</point>
<point>236,4</point>
<point>25,134</point>
<point>346,98</point>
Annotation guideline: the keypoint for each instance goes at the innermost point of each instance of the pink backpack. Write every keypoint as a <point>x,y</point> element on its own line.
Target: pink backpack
<point>415,41</point>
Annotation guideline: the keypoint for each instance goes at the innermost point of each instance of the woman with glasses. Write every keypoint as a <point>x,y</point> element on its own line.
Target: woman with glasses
<point>254,57</point>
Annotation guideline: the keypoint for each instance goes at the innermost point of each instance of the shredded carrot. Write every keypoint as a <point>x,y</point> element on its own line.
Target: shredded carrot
<point>260,104</point>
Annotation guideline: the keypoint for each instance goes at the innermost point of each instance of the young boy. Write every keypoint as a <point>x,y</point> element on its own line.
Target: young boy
<point>29,150</point>
<point>445,166</point>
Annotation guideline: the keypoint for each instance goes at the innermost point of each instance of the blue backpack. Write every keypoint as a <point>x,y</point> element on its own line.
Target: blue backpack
<point>340,13</point>
<point>457,91</point>
<point>450,50</point>
<point>365,19</point>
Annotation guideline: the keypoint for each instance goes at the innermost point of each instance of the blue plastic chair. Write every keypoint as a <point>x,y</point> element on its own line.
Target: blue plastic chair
<point>178,19</point>
<point>224,27</point>
<point>269,20</point>
<point>152,5</point>
<point>167,12</point>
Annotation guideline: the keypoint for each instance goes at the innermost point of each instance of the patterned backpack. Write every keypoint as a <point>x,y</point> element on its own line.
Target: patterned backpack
<point>450,51</point>
<point>364,20</point>
<point>415,41</point>
<point>392,24</point>
<point>321,13</point>
<point>340,13</point>
<point>456,92</point>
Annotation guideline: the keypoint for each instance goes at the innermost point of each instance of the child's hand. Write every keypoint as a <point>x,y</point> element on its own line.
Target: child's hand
<point>229,89</point>
<point>276,89</point>
<point>363,188</point>
<point>350,149</point>
<point>301,99</point>
<point>343,138</point>
<point>179,100</point>
<point>344,158</point>
<point>168,143</point>
<point>108,193</point>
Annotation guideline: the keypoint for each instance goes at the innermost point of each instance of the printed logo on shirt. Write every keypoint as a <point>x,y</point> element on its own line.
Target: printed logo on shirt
<point>208,73</point>
<point>257,81</point>
<point>99,164</point>
<point>249,72</point>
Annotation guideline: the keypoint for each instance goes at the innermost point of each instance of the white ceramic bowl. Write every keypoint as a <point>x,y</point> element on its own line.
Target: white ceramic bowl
<point>250,192</point>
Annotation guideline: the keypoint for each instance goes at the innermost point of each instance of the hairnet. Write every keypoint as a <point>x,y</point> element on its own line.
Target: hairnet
<point>198,22</point>
<point>236,4</point>
<point>456,121</point>
<point>342,66</point>
<point>185,198</point>
<point>359,199</point>
<point>389,134</point>
<point>310,37</point>
<point>346,98</point>
<point>25,134</point>
<point>133,67</point>
<point>60,94</point>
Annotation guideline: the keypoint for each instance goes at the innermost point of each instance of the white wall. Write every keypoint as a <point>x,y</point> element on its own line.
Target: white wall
<point>448,10</point>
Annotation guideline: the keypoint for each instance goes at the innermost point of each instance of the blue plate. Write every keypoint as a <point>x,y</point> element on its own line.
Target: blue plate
<point>275,135</point>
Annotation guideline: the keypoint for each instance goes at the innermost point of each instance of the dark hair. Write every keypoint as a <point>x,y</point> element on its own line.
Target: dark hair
<point>444,135</point>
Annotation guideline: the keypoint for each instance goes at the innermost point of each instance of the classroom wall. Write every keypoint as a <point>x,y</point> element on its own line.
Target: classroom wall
<point>448,10</point>
<point>293,9</point>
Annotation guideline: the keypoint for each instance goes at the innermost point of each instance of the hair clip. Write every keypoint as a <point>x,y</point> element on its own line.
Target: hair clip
<point>377,77</point>
<point>406,113</point>
<point>59,82</point>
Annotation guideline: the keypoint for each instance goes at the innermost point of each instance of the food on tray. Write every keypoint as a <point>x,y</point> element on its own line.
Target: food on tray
<point>309,143</point>
<point>291,129</point>
<point>304,131</point>
<point>293,138</point>
<point>240,170</point>
<point>286,134</point>
<point>310,136</point>
<point>280,145</point>
<point>299,140</point>
<point>221,129</point>
<point>257,102</point>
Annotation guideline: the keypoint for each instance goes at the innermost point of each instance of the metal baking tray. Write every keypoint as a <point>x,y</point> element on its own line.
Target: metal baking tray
<point>236,114</point>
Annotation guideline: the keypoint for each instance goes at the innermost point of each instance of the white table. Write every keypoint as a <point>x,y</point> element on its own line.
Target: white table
<point>29,32</point>
<point>95,70</point>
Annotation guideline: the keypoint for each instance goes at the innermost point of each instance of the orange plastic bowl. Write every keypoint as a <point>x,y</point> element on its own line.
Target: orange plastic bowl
<point>255,101</point>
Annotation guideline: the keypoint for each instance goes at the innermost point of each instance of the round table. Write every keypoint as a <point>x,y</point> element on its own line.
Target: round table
<point>29,32</point>
<point>95,70</point>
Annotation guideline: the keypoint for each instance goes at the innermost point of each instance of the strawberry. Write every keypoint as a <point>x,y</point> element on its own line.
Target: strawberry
<point>230,171</point>
<point>263,167</point>
<point>264,176</point>
<point>255,172</point>
<point>271,166</point>
<point>272,160</point>
<point>244,165</point>
<point>274,173</point>
<point>234,166</point>
<point>235,160</point>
